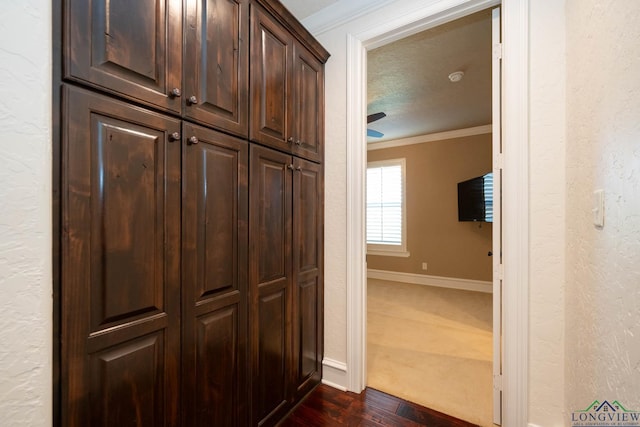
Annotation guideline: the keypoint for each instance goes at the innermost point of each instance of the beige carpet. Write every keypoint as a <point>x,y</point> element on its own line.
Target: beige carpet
<point>431,346</point>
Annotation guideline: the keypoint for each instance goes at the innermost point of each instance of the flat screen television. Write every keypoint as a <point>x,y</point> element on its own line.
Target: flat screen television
<point>475,199</point>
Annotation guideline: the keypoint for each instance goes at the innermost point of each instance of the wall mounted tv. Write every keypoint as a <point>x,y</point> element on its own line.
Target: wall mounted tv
<point>475,199</point>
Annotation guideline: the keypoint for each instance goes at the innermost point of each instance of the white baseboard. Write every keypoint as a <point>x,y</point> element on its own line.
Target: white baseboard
<point>334,374</point>
<point>423,279</point>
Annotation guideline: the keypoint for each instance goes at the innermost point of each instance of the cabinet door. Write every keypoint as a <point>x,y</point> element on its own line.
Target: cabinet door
<point>271,58</point>
<point>120,284</point>
<point>308,226</point>
<point>131,48</point>
<point>270,282</point>
<point>216,64</point>
<point>308,123</point>
<point>214,285</point>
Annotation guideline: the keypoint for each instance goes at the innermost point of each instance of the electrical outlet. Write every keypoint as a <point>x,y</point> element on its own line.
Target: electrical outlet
<point>424,266</point>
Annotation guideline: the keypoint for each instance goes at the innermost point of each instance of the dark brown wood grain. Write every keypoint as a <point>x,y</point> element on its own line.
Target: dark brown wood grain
<point>327,406</point>
<point>216,56</point>
<point>287,90</point>
<point>270,281</point>
<point>214,281</point>
<point>120,276</point>
<point>188,276</point>
<point>271,82</point>
<point>133,49</point>
<point>308,104</point>
<point>308,250</point>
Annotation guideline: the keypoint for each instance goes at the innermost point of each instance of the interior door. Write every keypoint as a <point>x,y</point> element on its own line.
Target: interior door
<point>120,284</point>
<point>496,103</point>
<point>214,283</point>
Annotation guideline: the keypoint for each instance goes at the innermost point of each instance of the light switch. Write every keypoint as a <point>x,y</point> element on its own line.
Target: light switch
<point>598,208</point>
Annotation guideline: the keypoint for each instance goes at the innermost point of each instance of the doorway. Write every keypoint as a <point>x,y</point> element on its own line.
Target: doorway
<point>429,303</point>
<point>515,299</point>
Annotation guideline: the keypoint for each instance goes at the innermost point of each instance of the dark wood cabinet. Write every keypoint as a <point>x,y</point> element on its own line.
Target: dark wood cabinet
<point>120,290</point>
<point>270,281</point>
<point>132,48</point>
<point>287,90</point>
<point>285,259</point>
<point>216,68</point>
<point>307,275</point>
<point>308,105</point>
<point>214,278</point>
<point>190,201</point>
<point>135,49</point>
<point>271,86</point>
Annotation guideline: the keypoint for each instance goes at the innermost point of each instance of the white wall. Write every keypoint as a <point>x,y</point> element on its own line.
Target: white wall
<point>603,151</point>
<point>25,214</point>
<point>546,196</point>
<point>547,212</point>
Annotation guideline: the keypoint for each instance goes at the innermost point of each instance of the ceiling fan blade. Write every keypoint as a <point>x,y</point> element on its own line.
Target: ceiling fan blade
<point>374,133</point>
<point>375,116</point>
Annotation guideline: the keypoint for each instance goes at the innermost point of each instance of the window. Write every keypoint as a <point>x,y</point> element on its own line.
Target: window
<point>386,219</point>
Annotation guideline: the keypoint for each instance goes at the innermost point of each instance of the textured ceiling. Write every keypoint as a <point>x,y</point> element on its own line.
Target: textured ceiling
<point>408,80</point>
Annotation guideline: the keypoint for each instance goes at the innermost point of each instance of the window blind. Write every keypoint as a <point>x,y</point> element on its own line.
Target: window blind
<point>384,205</point>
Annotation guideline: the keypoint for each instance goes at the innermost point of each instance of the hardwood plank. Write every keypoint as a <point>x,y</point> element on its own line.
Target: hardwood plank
<point>326,406</point>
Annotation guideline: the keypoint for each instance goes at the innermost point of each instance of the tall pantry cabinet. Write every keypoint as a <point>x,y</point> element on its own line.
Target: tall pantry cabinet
<point>190,194</point>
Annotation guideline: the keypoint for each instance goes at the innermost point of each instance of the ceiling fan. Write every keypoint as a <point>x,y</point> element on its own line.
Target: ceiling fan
<point>372,118</point>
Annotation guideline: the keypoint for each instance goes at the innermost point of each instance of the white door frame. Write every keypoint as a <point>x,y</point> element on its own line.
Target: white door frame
<point>515,132</point>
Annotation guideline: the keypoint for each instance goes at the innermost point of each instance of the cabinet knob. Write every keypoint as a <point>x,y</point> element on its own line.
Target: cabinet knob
<point>193,140</point>
<point>193,100</point>
<point>299,169</point>
<point>290,167</point>
<point>298,142</point>
<point>290,140</point>
<point>174,136</point>
<point>175,92</point>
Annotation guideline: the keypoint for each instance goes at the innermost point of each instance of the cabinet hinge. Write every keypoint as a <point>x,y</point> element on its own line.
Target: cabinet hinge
<point>499,159</point>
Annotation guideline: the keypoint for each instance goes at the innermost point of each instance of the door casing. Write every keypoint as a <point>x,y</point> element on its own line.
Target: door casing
<point>515,191</point>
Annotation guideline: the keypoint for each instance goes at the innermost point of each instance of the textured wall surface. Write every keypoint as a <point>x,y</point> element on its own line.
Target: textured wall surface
<point>547,212</point>
<point>25,218</point>
<point>603,152</point>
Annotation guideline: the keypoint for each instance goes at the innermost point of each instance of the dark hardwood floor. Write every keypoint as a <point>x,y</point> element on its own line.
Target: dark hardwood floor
<point>326,406</point>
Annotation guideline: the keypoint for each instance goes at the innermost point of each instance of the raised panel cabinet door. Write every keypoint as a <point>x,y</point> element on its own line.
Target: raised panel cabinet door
<point>216,64</point>
<point>308,122</point>
<point>307,247</point>
<point>271,97</point>
<point>133,48</point>
<point>120,274</point>
<point>270,282</point>
<point>214,282</point>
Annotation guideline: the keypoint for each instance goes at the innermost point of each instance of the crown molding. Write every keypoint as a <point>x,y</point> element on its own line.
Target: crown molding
<point>421,139</point>
<point>339,13</point>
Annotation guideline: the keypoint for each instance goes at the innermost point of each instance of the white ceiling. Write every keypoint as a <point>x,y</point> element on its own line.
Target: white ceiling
<point>408,79</point>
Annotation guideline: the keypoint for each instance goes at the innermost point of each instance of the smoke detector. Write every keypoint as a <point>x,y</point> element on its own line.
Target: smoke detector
<point>456,76</point>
